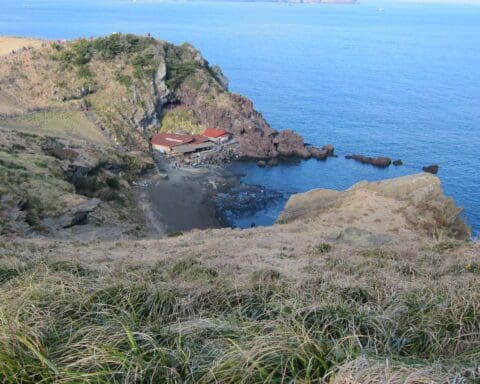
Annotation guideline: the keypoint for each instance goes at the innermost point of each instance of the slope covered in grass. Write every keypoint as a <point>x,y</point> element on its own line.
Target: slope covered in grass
<point>71,124</point>
<point>73,312</point>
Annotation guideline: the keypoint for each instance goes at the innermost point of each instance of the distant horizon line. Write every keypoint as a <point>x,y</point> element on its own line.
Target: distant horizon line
<point>311,2</point>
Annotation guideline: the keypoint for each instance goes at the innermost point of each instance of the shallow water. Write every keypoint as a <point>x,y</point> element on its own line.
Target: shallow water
<point>404,82</point>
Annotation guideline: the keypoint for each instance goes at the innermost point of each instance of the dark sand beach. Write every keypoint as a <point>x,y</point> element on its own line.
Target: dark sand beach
<point>176,199</point>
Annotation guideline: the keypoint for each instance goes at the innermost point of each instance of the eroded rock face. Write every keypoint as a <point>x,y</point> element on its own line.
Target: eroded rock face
<point>49,185</point>
<point>291,144</point>
<point>222,79</point>
<point>413,204</point>
<point>74,215</point>
<point>129,101</point>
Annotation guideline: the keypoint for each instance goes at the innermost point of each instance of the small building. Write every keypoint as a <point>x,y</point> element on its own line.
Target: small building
<point>165,142</point>
<point>198,143</point>
<point>216,135</point>
<point>180,144</point>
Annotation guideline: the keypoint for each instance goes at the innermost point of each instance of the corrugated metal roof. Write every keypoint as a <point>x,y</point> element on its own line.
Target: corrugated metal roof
<point>214,133</point>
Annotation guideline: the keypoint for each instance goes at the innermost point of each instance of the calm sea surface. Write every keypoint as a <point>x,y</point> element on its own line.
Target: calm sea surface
<point>404,82</point>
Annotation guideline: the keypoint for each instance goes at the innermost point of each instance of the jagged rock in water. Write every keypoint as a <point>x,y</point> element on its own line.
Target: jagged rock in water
<point>433,169</point>
<point>246,199</point>
<point>381,162</point>
<point>272,162</point>
<point>329,148</point>
<point>319,154</point>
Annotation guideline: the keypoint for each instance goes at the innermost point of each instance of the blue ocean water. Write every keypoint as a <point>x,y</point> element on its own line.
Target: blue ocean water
<point>404,82</point>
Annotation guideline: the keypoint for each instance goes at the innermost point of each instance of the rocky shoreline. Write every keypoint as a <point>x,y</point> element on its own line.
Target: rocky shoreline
<point>118,91</point>
<point>176,197</point>
<point>199,191</point>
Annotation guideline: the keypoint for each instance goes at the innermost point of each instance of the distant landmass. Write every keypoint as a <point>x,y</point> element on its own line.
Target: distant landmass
<point>314,1</point>
<point>304,1</point>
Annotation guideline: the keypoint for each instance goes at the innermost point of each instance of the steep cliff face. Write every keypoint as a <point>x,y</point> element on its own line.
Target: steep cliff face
<point>132,87</point>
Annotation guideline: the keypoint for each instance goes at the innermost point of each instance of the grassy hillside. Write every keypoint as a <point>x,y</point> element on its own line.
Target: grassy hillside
<point>371,315</point>
<point>65,124</point>
<point>124,81</point>
<point>44,180</point>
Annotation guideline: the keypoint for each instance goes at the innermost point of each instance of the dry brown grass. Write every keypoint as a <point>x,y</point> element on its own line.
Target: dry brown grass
<point>191,309</point>
<point>11,43</point>
<point>65,124</point>
<point>386,371</point>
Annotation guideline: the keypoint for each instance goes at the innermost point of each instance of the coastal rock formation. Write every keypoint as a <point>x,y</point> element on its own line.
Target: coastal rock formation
<point>272,162</point>
<point>246,199</point>
<point>381,162</point>
<point>321,153</point>
<point>132,87</point>
<point>291,144</point>
<point>433,169</point>
<point>409,203</point>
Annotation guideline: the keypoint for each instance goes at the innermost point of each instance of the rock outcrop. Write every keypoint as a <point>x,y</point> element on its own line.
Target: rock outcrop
<point>291,144</point>
<point>49,185</point>
<point>433,169</point>
<point>133,86</point>
<point>381,162</point>
<point>411,203</point>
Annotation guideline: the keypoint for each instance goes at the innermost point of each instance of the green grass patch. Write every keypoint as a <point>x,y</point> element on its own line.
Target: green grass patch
<point>181,120</point>
<point>66,124</point>
<point>322,248</point>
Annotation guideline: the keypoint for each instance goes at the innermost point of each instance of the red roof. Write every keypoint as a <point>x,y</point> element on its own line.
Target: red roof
<point>214,133</point>
<point>170,139</point>
<point>173,140</point>
<point>197,139</point>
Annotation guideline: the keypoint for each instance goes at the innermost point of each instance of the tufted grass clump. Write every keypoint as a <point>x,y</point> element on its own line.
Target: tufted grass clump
<point>322,248</point>
<point>184,321</point>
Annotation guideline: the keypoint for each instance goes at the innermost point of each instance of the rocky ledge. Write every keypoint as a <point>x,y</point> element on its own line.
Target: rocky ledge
<point>412,205</point>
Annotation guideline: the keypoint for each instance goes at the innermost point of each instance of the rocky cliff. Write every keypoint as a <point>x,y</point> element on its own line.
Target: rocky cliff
<point>65,187</point>
<point>132,86</point>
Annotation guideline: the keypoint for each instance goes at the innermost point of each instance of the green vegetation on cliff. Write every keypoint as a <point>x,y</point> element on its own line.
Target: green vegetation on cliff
<point>46,181</point>
<point>98,101</point>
